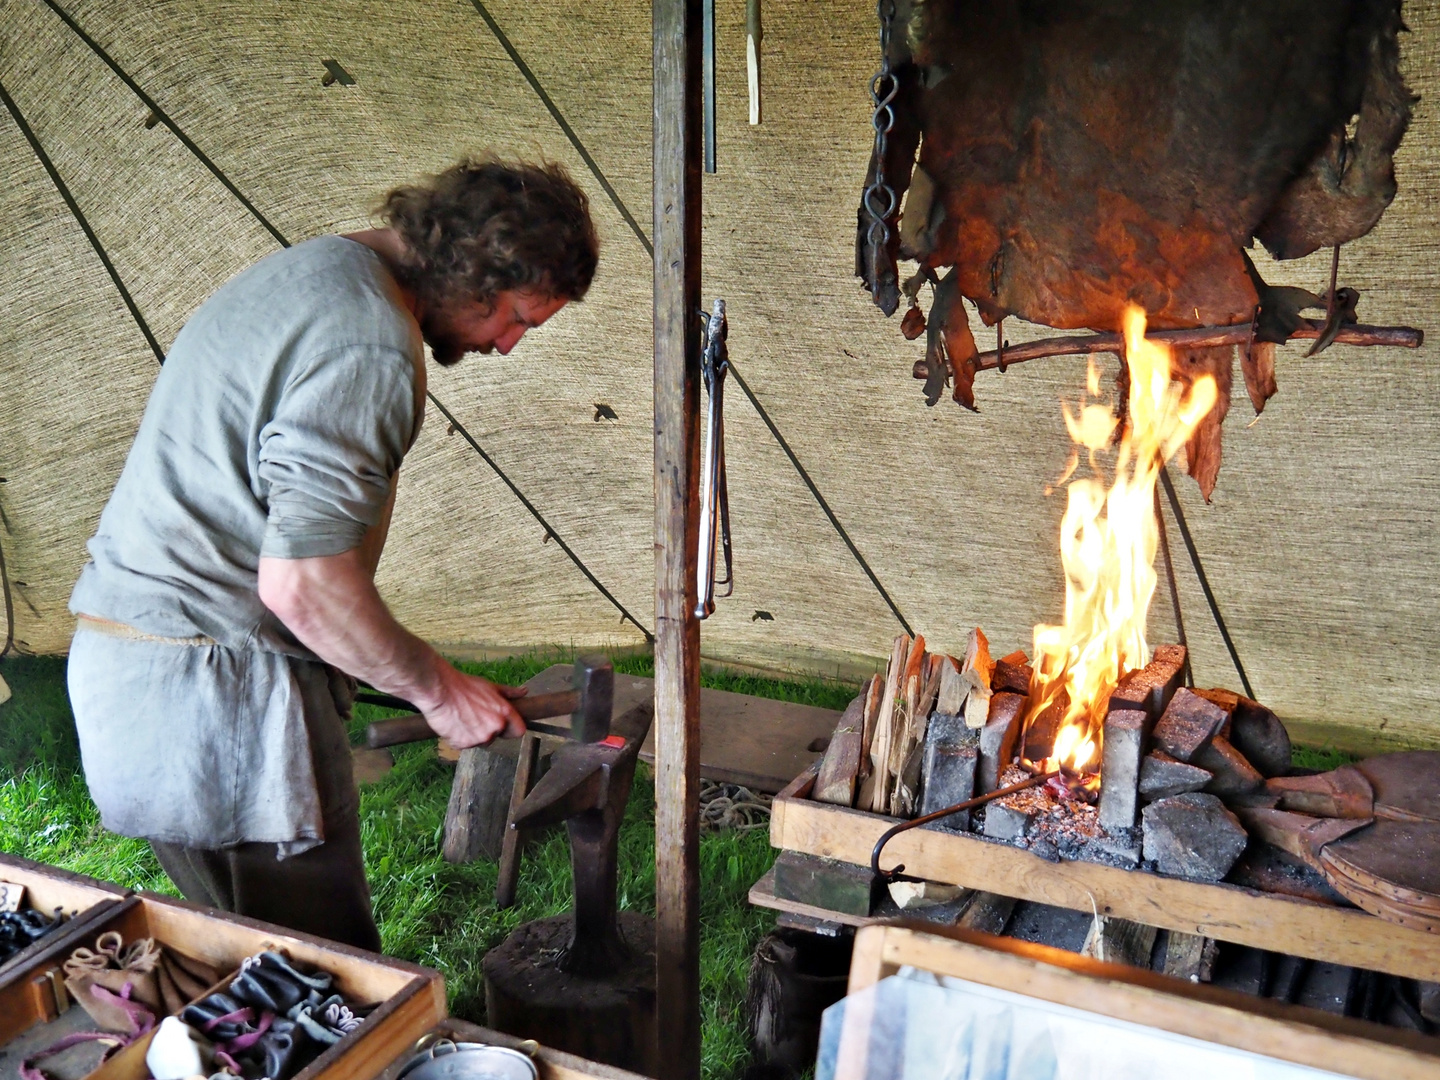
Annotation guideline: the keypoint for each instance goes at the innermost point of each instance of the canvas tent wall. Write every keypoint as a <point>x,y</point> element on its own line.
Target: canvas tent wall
<point>1321,542</point>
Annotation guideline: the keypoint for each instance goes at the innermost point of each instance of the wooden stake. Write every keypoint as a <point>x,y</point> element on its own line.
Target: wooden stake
<point>676,26</point>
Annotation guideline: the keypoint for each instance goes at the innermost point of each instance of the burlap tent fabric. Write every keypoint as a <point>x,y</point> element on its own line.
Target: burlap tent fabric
<point>1321,540</point>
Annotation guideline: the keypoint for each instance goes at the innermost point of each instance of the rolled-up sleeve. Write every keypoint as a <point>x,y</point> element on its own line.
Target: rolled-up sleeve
<point>339,432</point>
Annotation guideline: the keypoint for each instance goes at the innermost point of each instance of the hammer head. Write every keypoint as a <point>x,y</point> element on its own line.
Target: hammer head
<point>594,682</point>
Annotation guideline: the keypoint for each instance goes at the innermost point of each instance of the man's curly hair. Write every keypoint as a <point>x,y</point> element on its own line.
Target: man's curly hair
<point>485,226</point>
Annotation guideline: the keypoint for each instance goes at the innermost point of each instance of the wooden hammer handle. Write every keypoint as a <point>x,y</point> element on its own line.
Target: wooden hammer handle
<point>531,707</point>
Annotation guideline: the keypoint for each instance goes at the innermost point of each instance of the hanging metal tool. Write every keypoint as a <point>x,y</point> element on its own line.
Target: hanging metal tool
<point>752,56</point>
<point>707,46</point>
<point>714,493</point>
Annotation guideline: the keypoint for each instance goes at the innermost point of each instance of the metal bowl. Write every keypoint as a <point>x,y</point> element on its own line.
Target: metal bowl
<point>447,1060</point>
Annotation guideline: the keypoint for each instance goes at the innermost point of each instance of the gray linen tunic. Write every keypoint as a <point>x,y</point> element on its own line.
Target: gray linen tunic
<point>275,428</point>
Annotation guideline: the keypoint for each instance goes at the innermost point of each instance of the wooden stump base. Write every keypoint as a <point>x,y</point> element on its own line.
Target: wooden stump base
<point>609,1019</point>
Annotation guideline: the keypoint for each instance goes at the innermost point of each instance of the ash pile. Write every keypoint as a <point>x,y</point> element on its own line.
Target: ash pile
<point>1161,792</point>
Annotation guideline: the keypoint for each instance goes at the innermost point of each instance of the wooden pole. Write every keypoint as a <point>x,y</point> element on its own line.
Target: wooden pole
<point>677,155</point>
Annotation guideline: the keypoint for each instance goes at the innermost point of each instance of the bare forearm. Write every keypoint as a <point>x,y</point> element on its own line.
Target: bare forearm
<point>332,606</point>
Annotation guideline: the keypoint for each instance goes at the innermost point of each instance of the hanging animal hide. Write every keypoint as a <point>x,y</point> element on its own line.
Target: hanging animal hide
<point>1079,156</point>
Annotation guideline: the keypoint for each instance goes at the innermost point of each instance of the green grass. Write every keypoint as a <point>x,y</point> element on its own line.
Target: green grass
<point>429,911</point>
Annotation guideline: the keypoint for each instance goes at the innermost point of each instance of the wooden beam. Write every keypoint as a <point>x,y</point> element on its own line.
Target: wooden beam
<point>676,26</point>
<point>1339,935</point>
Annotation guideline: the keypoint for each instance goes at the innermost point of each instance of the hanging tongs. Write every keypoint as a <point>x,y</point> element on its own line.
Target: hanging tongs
<point>714,495</point>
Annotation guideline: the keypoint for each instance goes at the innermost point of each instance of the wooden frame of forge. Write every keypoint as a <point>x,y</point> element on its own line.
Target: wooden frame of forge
<point>1225,912</point>
<point>1225,1017</point>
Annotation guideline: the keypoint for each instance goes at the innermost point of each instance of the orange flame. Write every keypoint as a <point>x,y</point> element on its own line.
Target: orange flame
<point>1108,540</point>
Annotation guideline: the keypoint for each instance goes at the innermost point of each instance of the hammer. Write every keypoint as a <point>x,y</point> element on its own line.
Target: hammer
<point>589,705</point>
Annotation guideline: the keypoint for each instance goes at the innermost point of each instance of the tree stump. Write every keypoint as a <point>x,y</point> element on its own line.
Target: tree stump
<point>610,1018</point>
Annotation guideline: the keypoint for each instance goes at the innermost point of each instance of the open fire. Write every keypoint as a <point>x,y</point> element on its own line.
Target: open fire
<point>1108,541</point>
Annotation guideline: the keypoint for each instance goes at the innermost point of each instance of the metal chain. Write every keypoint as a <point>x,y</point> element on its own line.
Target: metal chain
<point>879,199</point>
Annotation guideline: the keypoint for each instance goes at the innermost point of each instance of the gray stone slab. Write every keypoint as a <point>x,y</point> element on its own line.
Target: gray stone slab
<point>1124,745</point>
<point>1162,776</point>
<point>952,753</point>
<point>1192,836</point>
<point>998,738</point>
<point>1151,687</point>
<point>1234,776</point>
<point>1005,822</point>
<point>1188,724</point>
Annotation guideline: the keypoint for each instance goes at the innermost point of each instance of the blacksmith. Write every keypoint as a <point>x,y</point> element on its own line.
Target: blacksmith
<point>230,600</point>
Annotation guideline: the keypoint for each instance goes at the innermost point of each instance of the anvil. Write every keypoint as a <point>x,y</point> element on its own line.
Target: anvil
<point>587,787</point>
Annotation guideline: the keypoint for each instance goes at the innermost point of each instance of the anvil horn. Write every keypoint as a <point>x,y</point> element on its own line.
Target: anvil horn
<point>578,780</point>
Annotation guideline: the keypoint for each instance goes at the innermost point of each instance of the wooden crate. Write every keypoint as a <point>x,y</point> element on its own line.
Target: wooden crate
<point>1289,1032</point>
<point>1226,912</point>
<point>83,900</point>
<point>412,998</point>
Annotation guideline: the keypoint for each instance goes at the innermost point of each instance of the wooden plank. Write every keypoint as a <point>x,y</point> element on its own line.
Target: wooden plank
<point>1291,1033</point>
<point>676,29</point>
<point>1225,912</point>
<point>757,742</point>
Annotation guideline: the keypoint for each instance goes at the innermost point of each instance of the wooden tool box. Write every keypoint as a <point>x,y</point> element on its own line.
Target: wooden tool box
<point>1281,923</point>
<point>410,999</point>
<point>1288,1032</point>
<point>82,900</point>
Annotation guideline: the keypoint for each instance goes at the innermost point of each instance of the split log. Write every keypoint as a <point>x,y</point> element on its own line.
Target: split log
<point>988,913</point>
<point>977,670</point>
<point>1190,957</point>
<point>835,782</point>
<point>953,688</point>
<point>903,726</point>
<point>874,691</point>
<point>1119,941</point>
<point>879,780</point>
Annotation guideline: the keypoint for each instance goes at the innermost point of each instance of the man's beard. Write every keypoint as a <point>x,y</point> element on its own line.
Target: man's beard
<point>443,346</point>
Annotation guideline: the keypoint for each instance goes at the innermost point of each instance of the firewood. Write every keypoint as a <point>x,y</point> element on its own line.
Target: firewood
<point>1119,941</point>
<point>977,670</point>
<point>937,665</point>
<point>1190,957</point>
<point>874,691</point>
<point>988,913</point>
<point>902,724</point>
<point>835,782</point>
<point>879,785</point>
<point>953,687</point>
